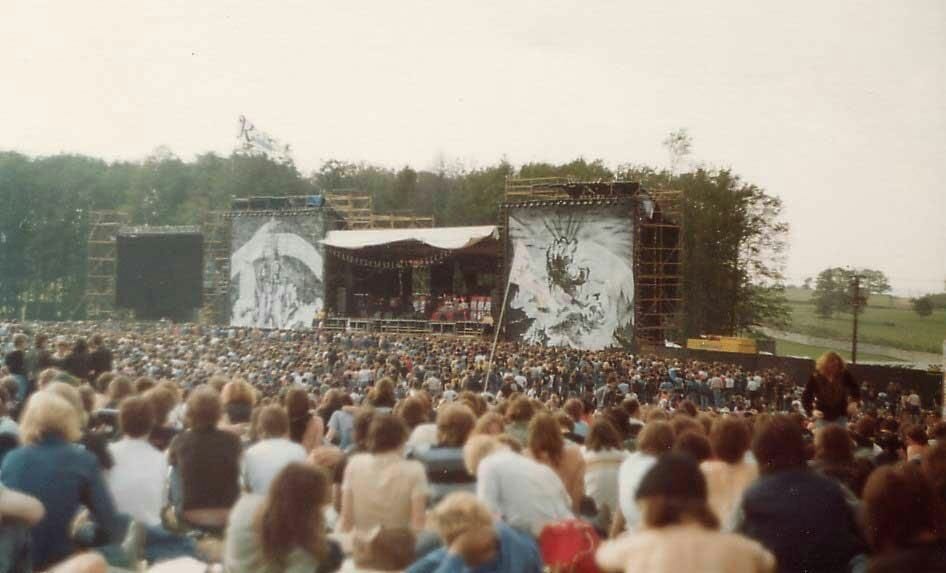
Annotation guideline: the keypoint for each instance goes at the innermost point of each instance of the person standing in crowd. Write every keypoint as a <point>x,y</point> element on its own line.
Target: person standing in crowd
<point>61,353</point>
<point>284,530</point>
<point>38,359</point>
<point>680,530</point>
<point>473,541</point>
<point>15,361</point>
<point>274,450</point>
<point>100,357</point>
<point>800,516</point>
<point>78,362</point>
<point>831,391</point>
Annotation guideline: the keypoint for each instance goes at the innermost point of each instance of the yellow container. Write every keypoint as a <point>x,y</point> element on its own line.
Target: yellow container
<point>723,344</point>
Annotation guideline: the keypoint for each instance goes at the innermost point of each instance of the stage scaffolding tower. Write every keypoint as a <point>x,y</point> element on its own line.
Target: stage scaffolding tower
<point>216,231</point>
<point>100,263</point>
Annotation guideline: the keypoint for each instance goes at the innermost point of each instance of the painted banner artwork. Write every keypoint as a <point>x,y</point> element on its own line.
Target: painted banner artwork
<point>276,271</point>
<point>572,278</point>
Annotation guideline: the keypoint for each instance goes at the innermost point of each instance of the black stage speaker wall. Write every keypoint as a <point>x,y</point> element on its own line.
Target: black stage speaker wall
<point>160,275</point>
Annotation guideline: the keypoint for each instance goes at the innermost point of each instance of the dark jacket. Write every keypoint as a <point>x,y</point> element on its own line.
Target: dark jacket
<point>209,465</point>
<point>804,519</point>
<point>37,360</point>
<point>77,364</point>
<point>100,360</point>
<point>446,471</point>
<point>15,362</point>
<point>62,476</point>
<point>820,395</point>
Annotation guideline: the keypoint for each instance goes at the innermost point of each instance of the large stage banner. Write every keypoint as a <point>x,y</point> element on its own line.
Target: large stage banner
<point>571,276</point>
<point>276,270</point>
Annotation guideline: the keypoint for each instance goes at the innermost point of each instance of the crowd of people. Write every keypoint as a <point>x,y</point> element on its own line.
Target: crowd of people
<point>315,451</point>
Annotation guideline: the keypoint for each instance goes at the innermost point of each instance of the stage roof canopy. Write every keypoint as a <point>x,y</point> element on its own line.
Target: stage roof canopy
<point>446,238</point>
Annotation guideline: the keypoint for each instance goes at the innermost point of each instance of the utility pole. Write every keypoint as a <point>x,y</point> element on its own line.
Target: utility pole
<point>856,303</point>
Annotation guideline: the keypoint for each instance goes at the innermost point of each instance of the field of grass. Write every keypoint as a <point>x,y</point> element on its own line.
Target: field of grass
<point>788,348</point>
<point>887,320</point>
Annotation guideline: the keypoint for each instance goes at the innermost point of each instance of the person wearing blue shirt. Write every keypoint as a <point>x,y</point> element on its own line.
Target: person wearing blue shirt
<point>475,543</point>
<point>61,475</point>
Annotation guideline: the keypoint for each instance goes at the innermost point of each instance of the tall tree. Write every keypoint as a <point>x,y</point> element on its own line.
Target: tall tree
<point>734,241</point>
<point>834,291</point>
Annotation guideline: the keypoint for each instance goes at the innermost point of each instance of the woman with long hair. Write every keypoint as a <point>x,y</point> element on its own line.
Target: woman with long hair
<point>547,446</point>
<point>680,531</point>
<point>604,454</point>
<point>305,428</point>
<point>283,531</point>
<point>831,391</point>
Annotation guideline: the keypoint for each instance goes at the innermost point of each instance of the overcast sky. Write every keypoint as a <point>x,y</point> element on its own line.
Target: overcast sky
<point>839,108</point>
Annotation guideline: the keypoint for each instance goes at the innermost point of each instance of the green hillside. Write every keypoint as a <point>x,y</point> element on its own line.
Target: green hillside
<point>888,320</point>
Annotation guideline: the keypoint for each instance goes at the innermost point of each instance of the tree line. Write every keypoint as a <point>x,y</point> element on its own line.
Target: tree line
<point>733,241</point>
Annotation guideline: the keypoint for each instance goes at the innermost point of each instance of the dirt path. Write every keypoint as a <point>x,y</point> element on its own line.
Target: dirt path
<point>919,359</point>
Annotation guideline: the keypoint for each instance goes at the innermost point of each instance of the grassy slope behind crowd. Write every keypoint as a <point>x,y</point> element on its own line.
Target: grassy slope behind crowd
<point>887,320</point>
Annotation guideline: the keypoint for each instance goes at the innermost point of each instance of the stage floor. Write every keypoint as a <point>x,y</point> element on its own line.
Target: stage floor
<point>405,326</point>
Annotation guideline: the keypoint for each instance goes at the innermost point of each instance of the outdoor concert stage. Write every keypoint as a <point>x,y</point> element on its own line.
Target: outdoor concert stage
<point>568,263</point>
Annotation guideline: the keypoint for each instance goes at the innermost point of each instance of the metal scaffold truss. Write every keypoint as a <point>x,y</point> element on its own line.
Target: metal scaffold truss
<point>216,230</point>
<point>100,261</point>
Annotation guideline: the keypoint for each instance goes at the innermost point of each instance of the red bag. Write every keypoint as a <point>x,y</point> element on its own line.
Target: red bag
<point>569,546</point>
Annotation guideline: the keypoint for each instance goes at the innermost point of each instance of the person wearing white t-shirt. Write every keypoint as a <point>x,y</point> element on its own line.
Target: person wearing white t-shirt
<point>527,495</point>
<point>655,439</point>
<point>137,479</point>
<point>265,459</point>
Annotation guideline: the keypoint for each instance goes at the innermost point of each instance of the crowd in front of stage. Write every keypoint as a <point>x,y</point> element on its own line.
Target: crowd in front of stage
<point>314,451</point>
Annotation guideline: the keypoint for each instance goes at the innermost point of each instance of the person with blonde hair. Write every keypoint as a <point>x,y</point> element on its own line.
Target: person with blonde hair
<point>526,494</point>
<point>831,391</point>
<point>60,474</point>
<point>473,540</point>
